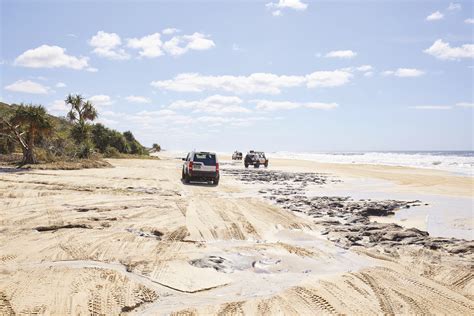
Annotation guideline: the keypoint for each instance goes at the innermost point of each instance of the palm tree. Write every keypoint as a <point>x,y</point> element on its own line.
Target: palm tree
<point>35,122</point>
<point>81,112</point>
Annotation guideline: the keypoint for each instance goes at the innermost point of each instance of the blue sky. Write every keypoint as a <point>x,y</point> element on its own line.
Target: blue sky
<point>289,75</point>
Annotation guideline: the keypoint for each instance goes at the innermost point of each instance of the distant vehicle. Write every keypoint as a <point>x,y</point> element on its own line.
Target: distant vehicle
<point>255,158</point>
<point>237,155</point>
<point>200,166</point>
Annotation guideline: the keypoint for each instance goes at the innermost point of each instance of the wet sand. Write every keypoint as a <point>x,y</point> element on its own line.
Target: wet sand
<point>133,239</point>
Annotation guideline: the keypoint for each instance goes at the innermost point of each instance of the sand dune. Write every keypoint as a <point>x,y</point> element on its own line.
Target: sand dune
<point>135,240</point>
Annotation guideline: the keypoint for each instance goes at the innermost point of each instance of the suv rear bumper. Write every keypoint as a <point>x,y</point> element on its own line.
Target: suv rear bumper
<point>253,162</point>
<point>204,175</point>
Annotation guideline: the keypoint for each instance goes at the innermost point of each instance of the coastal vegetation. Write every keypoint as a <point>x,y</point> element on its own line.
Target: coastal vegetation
<point>29,136</point>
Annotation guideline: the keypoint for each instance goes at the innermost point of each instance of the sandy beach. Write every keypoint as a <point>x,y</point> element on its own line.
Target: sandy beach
<point>297,238</point>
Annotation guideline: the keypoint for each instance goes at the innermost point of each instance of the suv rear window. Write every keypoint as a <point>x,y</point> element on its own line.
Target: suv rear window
<point>206,158</point>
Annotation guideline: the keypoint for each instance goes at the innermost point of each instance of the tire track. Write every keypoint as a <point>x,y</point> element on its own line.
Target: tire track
<point>314,300</point>
<point>428,288</point>
<point>380,293</point>
<point>416,308</point>
<point>231,309</point>
<point>5,305</point>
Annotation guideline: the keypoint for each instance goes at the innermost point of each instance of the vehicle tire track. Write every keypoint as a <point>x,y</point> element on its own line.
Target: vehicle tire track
<point>314,300</point>
<point>427,287</point>
<point>5,305</point>
<point>416,308</point>
<point>380,293</point>
<point>231,309</point>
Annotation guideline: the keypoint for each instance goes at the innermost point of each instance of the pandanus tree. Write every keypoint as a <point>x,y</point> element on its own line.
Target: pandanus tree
<point>26,126</point>
<point>81,112</point>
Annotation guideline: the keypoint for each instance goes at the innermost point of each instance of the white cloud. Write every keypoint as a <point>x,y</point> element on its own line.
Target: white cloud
<point>465,104</point>
<point>232,121</point>
<point>27,86</point>
<point>169,31</point>
<point>404,72</point>
<point>58,107</point>
<point>150,45</point>
<point>288,4</point>
<point>198,41</point>
<point>277,13</point>
<point>92,69</point>
<point>255,83</point>
<point>365,68</point>
<point>431,107</point>
<point>216,104</point>
<point>469,21</point>
<point>137,99</point>
<point>181,44</point>
<point>454,6</point>
<point>408,72</point>
<point>341,54</point>
<point>278,7</point>
<point>269,105</point>
<point>435,16</point>
<point>108,45</point>
<point>106,121</point>
<point>163,112</point>
<point>60,85</point>
<point>46,56</point>
<point>368,74</point>
<point>444,51</point>
<point>443,107</point>
<point>168,118</point>
<point>101,100</point>
<point>326,79</point>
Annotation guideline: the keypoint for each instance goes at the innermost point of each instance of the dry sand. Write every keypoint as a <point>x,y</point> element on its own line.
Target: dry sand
<point>121,241</point>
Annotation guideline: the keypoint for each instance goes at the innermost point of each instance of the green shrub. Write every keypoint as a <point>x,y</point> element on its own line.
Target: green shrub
<point>111,152</point>
<point>44,155</point>
<point>86,150</point>
<point>7,145</point>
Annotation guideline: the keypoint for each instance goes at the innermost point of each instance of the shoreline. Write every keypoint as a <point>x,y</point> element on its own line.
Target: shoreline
<point>431,181</point>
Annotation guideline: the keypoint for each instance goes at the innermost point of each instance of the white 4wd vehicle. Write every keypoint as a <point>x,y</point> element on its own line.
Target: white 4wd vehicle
<point>200,166</point>
<point>255,158</point>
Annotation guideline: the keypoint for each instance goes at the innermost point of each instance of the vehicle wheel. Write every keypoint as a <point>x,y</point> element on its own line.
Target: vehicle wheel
<point>257,165</point>
<point>246,165</point>
<point>182,174</point>
<point>266,165</point>
<point>186,178</point>
<point>216,181</point>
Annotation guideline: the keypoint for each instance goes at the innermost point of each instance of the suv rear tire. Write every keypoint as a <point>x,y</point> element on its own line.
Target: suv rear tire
<point>246,165</point>
<point>257,165</point>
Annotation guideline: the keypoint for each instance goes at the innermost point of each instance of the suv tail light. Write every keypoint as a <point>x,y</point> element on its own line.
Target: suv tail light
<point>190,166</point>
<point>217,167</point>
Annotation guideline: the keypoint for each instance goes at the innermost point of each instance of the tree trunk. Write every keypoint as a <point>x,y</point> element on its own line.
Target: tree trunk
<point>28,153</point>
<point>29,156</point>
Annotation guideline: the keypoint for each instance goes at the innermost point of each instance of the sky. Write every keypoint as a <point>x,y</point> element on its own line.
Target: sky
<point>287,75</point>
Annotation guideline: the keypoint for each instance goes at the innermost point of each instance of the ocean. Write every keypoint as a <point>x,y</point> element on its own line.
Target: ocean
<point>459,162</point>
